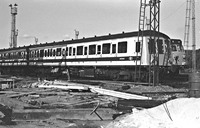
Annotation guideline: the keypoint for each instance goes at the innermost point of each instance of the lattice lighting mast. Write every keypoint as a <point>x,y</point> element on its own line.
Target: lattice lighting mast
<point>155,27</point>
<point>193,38</point>
<point>14,32</point>
<point>187,24</point>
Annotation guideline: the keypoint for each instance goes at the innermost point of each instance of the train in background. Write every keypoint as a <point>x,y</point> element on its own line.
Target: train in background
<point>178,55</point>
<point>112,56</point>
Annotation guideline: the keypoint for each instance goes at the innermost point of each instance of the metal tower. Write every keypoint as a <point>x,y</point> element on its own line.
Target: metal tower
<point>187,24</point>
<point>193,38</point>
<point>155,27</point>
<point>140,37</point>
<point>14,32</point>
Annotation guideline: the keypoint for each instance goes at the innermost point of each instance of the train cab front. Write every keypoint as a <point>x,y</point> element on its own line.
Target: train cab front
<point>177,54</point>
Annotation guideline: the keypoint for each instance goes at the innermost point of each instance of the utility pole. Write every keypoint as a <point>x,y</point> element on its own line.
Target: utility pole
<point>14,32</point>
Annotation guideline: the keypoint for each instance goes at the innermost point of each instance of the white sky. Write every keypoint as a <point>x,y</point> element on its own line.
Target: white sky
<point>55,20</point>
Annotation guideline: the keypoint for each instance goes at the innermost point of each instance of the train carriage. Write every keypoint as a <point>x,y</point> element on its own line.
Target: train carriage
<point>12,57</point>
<point>107,56</point>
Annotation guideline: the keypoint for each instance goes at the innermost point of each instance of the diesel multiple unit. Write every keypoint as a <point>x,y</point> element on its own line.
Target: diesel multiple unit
<point>108,56</point>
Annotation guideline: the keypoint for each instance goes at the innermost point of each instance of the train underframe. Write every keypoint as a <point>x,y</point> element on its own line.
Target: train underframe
<point>124,73</point>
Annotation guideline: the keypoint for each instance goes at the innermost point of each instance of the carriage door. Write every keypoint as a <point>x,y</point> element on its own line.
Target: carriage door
<point>160,51</point>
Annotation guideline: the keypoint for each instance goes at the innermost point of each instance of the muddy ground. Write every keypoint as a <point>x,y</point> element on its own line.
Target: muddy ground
<point>25,95</point>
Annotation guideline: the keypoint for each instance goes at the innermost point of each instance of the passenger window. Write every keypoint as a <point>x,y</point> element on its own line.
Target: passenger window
<point>8,55</point>
<point>45,53</point>
<point>18,55</point>
<point>174,48</point>
<point>79,50</point>
<point>113,48</point>
<point>2,56</point>
<point>106,48</point>
<point>54,52</point>
<point>63,52</point>
<point>11,55</point>
<point>99,49</point>
<point>137,47</point>
<point>92,49</point>
<point>70,51</point>
<point>38,53</point>
<point>48,53</point>
<point>152,47</point>
<point>41,53</point>
<point>22,54</point>
<point>74,51</point>
<point>58,52</point>
<point>67,51</point>
<point>178,47</point>
<point>25,54</point>
<point>85,51</point>
<point>122,47</point>
<point>167,45</point>
<point>32,54</point>
<point>160,46</point>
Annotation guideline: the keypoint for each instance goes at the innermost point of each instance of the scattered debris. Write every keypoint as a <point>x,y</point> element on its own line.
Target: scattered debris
<point>33,99</point>
<point>7,114</point>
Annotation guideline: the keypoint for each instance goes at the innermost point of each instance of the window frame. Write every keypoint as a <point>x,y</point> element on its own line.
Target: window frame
<point>123,49</point>
<point>92,49</point>
<point>106,48</point>
<point>79,50</point>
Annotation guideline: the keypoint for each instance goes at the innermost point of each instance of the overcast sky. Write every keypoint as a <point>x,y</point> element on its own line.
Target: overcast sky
<point>55,20</point>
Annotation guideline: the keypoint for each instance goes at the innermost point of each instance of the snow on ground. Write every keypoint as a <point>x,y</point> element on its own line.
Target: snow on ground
<point>177,113</point>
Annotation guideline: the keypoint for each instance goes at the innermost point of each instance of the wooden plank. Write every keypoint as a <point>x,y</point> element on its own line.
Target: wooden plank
<point>8,92</point>
<point>75,103</point>
<point>29,93</point>
<point>107,92</point>
<point>21,94</point>
<point>82,93</point>
<point>118,94</point>
<point>63,87</point>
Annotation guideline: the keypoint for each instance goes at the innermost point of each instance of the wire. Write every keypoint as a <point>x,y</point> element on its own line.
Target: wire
<point>174,12</point>
<point>167,111</point>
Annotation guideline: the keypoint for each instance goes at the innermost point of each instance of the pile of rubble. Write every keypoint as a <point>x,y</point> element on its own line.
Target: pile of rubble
<point>43,100</point>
